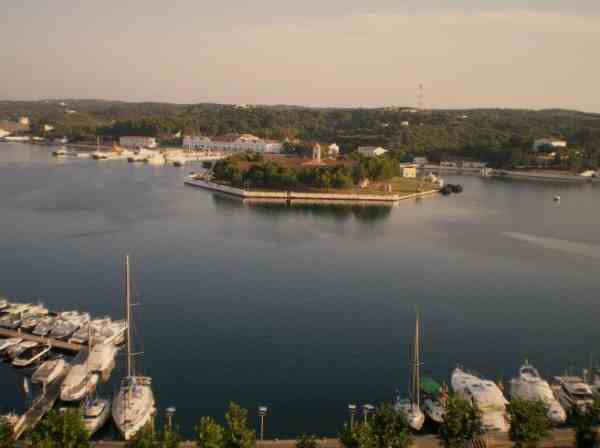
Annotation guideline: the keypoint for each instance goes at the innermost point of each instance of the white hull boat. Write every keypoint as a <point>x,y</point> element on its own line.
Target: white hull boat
<point>44,326</point>
<point>16,350</point>
<point>102,357</point>
<point>488,397</point>
<point>434,400</point>
<point>529,385</point>
<point>30,356</point>
<point>573,392</point>
<point>80,382</point>
<point>95,414</point>
<point>49,371</point>
<point>8,343</point>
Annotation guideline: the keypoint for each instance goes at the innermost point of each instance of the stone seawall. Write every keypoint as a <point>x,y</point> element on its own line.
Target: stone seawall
<point>292,195</point>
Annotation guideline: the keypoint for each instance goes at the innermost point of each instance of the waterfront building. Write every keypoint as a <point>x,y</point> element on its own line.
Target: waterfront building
<point>551,143</point>
<point>371,151</point>
<point>240,143</point>
<point>194,141</point>
<point>408,170</point>
<point>462,162</point>
<point>136,141</point>
<point>420,161</point>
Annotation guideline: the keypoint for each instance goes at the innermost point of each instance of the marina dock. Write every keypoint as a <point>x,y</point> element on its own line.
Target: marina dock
<point>55,343</point>
<point>40,407</point>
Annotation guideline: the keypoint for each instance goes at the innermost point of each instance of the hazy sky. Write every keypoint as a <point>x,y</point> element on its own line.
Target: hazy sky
<point>467,53</point>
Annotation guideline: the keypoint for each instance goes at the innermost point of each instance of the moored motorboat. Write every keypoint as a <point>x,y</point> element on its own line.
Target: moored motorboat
<point>573,393</point>
<point>19,348</point>
<point>435,397</point>
<point>44,326</point>
<point>102,357</point>
<point>529,385</point>
<point>79,382</point>
<point>48,371</point>
<point>95,414</point>
<point>3,303</point>
<point>488,397</point>
<point>5,344</point>
<point>31,356</point>
<point>90,329</point>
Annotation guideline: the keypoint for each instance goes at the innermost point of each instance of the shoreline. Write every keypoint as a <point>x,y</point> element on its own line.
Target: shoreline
<point>293,195</point>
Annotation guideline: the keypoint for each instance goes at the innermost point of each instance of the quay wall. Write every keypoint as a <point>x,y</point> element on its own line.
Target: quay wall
<point>291,195</point>
<point>543,176</point>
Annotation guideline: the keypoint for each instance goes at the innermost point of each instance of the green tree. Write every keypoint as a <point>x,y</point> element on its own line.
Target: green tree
<point>586,436</point>
<point>144,438</point>
<point>306,441</point>
<point>209,434</point>
<point>61,430</point>
<point>169,437</point>
<point>6,433</point>
<point>385,428</point>
<point>238,433</point>
<point>462,422</point>
<point>529,422</point>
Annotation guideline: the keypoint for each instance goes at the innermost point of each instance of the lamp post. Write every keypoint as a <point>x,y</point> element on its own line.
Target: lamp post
<point>352,409</point>
<point>262,411</point>
<point>170,412</point>
<point>366,409</point>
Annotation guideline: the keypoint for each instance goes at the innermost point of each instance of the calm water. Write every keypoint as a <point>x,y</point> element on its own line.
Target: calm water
<point>303,309</point>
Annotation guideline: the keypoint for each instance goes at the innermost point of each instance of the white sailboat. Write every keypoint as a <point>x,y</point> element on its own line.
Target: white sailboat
<point>411,407</point>
<point>134,405</point>
<point>486,395</point>
<point>529,385</point>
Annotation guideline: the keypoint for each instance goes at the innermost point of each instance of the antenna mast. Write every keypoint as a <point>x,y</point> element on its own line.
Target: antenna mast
<point>421,98</point>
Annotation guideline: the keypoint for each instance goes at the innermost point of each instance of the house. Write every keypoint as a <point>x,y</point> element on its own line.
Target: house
<point>549,143</point>
<point>420,161</point>
<point>371,151</point>
<point>194,141</point>
<point>240,143</point>
<point>137,141</point>
<point>8,127</point>
<point>405,124</point>
<point>408,170</point>
<point>333,150</point>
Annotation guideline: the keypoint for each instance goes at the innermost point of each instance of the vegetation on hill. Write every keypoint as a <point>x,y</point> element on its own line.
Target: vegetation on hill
<point>498,136</point>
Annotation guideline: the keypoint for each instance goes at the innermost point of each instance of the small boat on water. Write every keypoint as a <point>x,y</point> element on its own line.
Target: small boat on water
<point>411,407</point>
<point>44,326</point>
<point>11,321</point>
<point>31,356</point>
<point>529,385</point>
<point>573,392</point>
<point>15,350</point>
<point>556,198</point>
<point>102,357</point>
<point>435,397</point>
<point>3,303</point>
<point>488,397</point>
<point>95,414</point>
<point>79,382</point>
<point>67,323</point>
<point>29,323</point>
<point>64,152</point>
<point>48,371</point>
<point>91,329</point>
<point>5,344</point>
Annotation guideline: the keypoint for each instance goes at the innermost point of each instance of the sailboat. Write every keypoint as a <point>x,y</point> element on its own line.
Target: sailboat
<point>134,404</point>
<point>411,407</point>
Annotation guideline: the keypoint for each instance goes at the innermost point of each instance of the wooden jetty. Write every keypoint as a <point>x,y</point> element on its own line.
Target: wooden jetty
<point>40,406</point>
<point>55,343</point>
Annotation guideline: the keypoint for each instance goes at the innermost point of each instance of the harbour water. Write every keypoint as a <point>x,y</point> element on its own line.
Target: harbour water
<point>307,308</point>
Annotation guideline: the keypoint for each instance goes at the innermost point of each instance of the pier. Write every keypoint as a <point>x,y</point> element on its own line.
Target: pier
<point>55,343</point>
<point>40,406</point>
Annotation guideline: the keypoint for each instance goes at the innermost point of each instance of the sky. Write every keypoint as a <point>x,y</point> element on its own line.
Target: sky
<point>466,53</point>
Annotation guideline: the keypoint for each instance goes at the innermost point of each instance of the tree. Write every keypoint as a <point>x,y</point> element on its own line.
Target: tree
<point>169,437</point>
<point>385,428</point>
<point>6,433</point>
<point>529,422</point>
<point>306,441</point>
<point>209,434</point>
<point>462,422</point>
<point>61,430</point>
<point>585,434</point>
<point>237,433</point>
<point>144,438</point>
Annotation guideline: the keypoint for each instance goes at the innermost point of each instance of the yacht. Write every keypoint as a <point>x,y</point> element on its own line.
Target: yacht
<point>95,414</point>
<point>49,371</point>
<point>67,323</point>
<point>411,407</point>
<point>572,391</point>
<point>15,350</point>
<point>486,395</point>
<point>134,404</point>
<point>17,308</point>
<point>102,357</point>
<point>5,344</point>
<point>31,356</point>
<point>44,326</point>
<point>3,303</point>
<point>11,321</point>
<point>79,382</point>
<point>529,385</point>
<point>141,155</point>
<point>29,323</point>
<point>434,399</point>
<point>92,329</point>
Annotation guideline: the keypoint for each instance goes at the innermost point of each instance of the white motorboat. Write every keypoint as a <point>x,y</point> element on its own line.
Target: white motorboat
<point>5,344</point>
<point>434,400</point>
<point>79,382</point>
<point>68,323</point>
<point>95,414</point>
<point>29,323</point>
<point>92,329</point>
<point>17,308</point>
<point>48,371</point>
<point>529,385</point>
<point>11,321</point>
<point>102,357</point>
<point>134,405</point>
<point>141,155</point>
<point>31,356</point>
<point>17,349</point>
<point>486,395</point>
<point>157,159</point>
<point>113,333</point>
<point>411,407</point>
<point>44,326</point>
<point>3,303</point>
<point>573,392</point>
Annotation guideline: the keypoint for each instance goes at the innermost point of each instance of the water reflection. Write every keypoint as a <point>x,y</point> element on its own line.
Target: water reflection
<point>339,210</point>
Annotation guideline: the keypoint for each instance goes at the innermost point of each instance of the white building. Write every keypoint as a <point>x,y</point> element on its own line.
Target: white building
<point>333,150</point>
<point>408,170</point>
<point>24,121</point>
<point>405,124</point>
<point>136,141</point>
<point>48,128</point>
<point>371,151</point>
<point>420,161</point>
<point>240,143</point>
<point>462,162</point>
<point>551,143</point>
<point>194,141</point>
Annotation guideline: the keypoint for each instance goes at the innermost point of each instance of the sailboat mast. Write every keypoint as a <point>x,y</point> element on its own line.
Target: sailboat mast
<point>416,371</point>
<point>128,314</point>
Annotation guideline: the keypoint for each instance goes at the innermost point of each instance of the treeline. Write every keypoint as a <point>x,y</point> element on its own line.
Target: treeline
<point>493,135</point>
